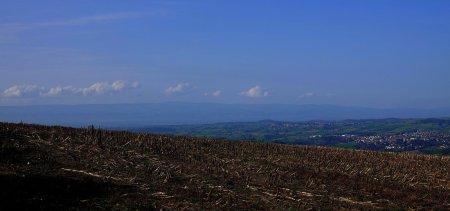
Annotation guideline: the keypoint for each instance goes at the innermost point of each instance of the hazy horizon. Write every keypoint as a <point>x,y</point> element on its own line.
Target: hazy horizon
<point>220,103</point>
<point>137,115</point>
<point>373,54</point>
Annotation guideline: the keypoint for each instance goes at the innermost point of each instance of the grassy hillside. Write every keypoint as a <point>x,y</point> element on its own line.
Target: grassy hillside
<point>67,168</point>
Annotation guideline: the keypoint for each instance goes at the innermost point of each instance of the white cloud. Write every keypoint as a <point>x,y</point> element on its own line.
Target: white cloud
<point>53,92</point>
<point>56,91</point>
<point>216,93</point>
<point>20,90</point>
<point>97,88</point>
<point>255,92</point>
<point>13,91</point>
<point>307,94</point>
<point>177,89</point>
<point>103,87</point>
<point>118,85</point>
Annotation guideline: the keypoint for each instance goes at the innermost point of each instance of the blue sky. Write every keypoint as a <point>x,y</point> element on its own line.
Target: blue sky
<point>374,53</point>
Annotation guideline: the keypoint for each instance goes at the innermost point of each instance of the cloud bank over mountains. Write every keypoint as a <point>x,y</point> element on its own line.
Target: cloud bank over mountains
<point>98,88</point>
<point>31,91</point>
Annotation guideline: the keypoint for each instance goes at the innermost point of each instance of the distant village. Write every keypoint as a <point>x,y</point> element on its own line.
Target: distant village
<point>401,142</point>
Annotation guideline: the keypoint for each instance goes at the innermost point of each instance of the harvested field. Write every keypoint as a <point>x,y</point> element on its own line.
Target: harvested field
<point>68,168</point>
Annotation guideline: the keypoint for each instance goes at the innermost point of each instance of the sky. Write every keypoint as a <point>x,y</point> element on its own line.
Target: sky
<point>372,53</point>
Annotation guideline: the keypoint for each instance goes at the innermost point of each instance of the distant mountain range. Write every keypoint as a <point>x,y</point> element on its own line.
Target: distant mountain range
<point>136,115</point>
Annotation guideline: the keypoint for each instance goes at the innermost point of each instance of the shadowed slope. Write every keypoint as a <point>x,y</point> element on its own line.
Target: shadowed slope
<point>147,171</point>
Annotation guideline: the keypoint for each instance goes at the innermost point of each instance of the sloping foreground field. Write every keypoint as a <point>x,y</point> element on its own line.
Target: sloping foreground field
<point>65,168</point>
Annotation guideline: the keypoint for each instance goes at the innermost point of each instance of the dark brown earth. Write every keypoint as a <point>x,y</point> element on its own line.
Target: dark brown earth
<point>58,168</point>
